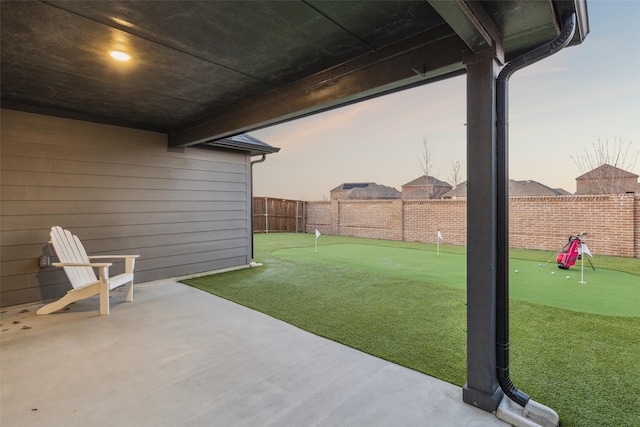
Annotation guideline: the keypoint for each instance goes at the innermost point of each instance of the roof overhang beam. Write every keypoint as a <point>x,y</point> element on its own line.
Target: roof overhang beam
<point>472,24</point>
<point>418,60</point>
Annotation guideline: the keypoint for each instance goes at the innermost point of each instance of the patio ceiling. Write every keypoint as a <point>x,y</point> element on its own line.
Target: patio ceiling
<point>201,71</point>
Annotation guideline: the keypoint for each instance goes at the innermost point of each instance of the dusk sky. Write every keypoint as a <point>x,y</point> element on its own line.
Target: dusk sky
<point>558,107</point>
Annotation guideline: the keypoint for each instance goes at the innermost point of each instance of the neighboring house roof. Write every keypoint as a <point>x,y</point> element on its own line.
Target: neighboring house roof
<point>350,185</point>
<point>562,191</point>
<point>459,191</point>
<point>606,171</point>
<point>530,188</point>
<point>427,180</point>
<point>244,142</point>
<point>376,192</point>
<point>516,188</point>
<point>366,190</point>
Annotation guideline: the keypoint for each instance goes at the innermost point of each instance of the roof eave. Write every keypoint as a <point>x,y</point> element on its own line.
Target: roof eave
<point>244,143</point>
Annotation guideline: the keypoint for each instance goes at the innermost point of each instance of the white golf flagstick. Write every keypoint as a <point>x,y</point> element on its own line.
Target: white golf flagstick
<point>317,235</point>
<point>584,250</point>
<point>582,267</point>
<point>438,243</point>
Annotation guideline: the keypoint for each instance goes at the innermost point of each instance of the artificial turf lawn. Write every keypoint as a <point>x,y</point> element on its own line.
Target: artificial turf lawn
<point>582,365</point>
<point>606,292</point>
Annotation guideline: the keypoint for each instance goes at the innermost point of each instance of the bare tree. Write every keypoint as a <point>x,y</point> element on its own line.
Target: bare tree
<point>614,153</point>
<point>425,159</point>
<point>455,175</point>
<point>426,166</point>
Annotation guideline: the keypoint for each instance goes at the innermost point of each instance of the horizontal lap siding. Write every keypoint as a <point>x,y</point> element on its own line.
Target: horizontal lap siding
<point>120,191</point>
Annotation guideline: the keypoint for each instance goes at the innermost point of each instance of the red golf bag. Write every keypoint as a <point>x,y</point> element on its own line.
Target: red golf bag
<point>570,253</point>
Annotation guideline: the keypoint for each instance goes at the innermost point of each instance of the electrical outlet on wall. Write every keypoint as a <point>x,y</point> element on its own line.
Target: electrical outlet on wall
<point>45,261</point>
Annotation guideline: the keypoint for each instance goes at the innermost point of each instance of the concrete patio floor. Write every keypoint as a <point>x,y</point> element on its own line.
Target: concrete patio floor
<point>178,356</point>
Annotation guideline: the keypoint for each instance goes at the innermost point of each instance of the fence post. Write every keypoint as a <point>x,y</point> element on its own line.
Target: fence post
<point>296,216</point>
<point>266,215</point>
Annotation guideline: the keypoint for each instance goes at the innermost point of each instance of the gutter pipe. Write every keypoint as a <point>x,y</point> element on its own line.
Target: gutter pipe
<point>502,261</point>
<point>253,162</point>
<point>264,157</point>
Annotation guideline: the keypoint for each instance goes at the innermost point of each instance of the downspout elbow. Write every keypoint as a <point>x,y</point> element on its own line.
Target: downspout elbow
<point>262,159</point>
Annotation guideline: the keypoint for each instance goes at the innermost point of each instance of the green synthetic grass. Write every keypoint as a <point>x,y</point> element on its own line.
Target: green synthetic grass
<point>604,291</point>
<point>583,365</point>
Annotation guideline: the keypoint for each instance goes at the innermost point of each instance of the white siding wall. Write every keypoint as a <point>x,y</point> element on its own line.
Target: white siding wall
<point>120,191</point>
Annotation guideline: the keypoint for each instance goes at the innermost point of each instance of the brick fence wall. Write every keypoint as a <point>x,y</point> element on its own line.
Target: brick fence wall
<point>612,221</point>
<point>636,226</point>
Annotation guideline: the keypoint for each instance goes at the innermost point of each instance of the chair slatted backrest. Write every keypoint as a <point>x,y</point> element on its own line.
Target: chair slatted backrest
<point>69,249</point>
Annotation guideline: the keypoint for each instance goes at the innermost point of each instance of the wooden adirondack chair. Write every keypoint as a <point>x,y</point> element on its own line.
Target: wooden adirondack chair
<point>79,269</point>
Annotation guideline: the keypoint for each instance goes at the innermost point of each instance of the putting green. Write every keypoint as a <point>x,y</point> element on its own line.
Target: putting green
<point>606,292</point>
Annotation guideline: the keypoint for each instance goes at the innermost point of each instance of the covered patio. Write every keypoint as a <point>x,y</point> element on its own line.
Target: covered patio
<point>75,123</point>
<point>180,356</point>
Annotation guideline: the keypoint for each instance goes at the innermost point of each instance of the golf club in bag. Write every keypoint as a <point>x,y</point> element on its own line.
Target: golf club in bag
<point>571,252</point>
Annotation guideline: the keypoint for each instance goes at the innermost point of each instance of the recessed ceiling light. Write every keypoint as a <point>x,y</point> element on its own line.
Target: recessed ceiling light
<point>120,56</point>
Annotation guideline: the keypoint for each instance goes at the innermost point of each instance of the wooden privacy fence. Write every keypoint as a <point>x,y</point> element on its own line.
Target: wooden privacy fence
<point>278,215</point>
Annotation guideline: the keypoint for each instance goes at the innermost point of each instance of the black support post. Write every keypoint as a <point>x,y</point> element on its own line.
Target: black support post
<point>482,388</point>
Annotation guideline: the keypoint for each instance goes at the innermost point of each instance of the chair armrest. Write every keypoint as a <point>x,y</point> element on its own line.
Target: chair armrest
<point>130,260</point>
<point>112,256</point>
<point>74,264</point>
<point>103,268</point>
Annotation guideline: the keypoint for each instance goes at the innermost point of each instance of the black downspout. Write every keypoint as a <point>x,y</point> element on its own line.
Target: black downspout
<point>502,243</point>
<point>262,159</point>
